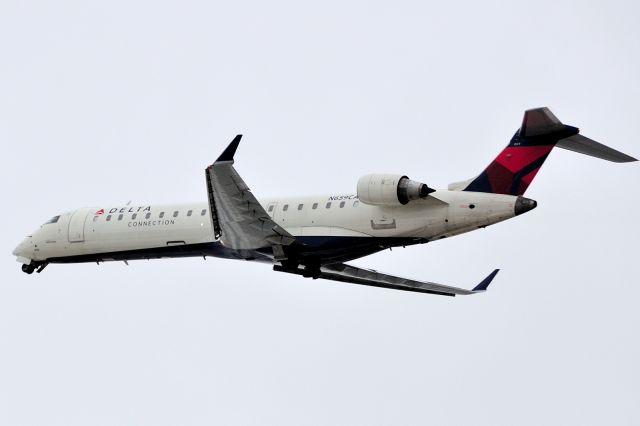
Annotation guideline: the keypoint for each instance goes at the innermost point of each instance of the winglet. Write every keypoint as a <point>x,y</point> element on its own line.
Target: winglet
<point>485,283</point>
<point>230,151</point>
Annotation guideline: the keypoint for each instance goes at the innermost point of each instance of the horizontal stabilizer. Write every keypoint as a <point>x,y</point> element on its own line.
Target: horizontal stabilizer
<point>584,145</point>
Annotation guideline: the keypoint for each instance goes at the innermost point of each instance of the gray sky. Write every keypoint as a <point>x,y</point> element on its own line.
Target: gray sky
<point>105,102</point>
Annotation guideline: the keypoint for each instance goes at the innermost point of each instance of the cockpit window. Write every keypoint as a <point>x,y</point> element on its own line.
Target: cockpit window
<point>52,220</point>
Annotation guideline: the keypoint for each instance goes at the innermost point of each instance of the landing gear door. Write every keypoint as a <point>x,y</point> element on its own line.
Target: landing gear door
<point>77,224</point>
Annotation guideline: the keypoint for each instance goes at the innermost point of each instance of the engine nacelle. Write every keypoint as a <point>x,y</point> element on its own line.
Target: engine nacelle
<point>390,190</point>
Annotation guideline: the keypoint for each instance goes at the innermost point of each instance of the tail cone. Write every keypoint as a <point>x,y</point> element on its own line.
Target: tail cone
<point>523,205</point>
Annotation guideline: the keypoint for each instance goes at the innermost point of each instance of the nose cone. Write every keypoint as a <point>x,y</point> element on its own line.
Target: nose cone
<point>523,205</point>
<point>20,250</point>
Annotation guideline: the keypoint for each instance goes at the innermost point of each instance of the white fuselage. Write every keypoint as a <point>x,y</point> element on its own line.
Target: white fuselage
<point>87,232</point>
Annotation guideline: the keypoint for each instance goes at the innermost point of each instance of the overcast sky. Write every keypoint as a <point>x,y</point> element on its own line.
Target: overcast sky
<point>106,102</point>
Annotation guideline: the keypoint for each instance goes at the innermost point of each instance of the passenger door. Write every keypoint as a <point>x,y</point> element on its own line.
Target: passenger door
<point>77,223</point>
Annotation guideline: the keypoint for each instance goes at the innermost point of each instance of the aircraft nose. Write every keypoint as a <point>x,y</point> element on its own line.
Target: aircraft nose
<point>523,205</point>
<point>20,249</point>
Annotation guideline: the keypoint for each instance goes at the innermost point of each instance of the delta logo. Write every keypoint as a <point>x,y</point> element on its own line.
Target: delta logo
<point>99,212</point>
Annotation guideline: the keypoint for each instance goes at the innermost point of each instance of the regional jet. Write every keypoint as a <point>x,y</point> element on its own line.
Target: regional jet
<point>314,236</point>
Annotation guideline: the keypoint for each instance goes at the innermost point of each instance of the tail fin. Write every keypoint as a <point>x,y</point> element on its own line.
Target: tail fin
<point>515,167</point>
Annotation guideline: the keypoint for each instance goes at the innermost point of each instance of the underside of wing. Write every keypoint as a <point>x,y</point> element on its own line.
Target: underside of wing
<point>351,274</point>
<point>238,219</point>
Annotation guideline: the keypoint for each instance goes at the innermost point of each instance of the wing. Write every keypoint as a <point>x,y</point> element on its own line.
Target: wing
<point>354,275</point>
<point>238,218</point>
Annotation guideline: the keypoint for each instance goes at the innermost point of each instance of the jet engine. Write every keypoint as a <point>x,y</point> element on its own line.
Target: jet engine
<point>390,190</point>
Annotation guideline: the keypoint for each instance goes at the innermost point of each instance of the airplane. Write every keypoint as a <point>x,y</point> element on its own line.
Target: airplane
<point>314,236</point>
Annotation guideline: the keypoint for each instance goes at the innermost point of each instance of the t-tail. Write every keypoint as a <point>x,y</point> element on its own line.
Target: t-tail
<point>515,167</point>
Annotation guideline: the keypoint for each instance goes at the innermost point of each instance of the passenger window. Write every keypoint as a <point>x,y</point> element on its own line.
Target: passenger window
<point>342,204</point>
<point>190,212</point>
<point>203,212</point>
<point>147,216</point>
<point>161,215</point>
<point>175,214</point>
<point>355,203</point>
<point>133,216</point>
<point>95,218</point>
<point>315,206</point>
<point>285,208</point>
<point>108,217</point>
<point>328,205</point>
<point>300,206</point>
<point>120,216</point>
<point>270,208</point>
